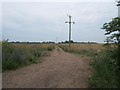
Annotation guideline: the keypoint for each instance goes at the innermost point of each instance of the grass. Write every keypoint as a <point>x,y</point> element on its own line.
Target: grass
<point>19,55</point>
<point>83,49</point>
<point>104,68</point>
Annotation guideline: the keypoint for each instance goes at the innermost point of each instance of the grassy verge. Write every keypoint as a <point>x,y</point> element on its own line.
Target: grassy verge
<point>19,55</point>
<point>83,49</point>
<point>105,73</point>
<point>104,68</point>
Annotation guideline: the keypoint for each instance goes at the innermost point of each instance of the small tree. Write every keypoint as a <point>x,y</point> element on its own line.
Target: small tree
<point>113,30</point>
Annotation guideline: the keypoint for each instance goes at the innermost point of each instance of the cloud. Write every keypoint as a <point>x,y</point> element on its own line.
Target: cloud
<point>46,21</point>
<point>57,0</point>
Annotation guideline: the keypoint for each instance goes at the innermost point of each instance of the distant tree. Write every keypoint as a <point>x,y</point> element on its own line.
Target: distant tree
<point>72,41</point>
<point>66,41</point>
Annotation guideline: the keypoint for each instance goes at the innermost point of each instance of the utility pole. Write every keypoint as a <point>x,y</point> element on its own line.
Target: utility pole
<point>118,4</point>
<point>56,40</point>
<point>70,22</point>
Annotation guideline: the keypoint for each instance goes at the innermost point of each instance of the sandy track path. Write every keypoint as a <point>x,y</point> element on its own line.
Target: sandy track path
<point>59,70</point>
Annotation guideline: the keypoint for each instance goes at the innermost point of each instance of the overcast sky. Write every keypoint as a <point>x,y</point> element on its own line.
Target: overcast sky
<point>44,21</point>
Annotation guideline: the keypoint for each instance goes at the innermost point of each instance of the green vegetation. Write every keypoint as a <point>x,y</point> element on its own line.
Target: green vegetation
<point>18,55</point>
<point>105,71</point>
<point>112,29</point>
<point>106,65</point>
<point>104,68</point>
<point>50,48</point>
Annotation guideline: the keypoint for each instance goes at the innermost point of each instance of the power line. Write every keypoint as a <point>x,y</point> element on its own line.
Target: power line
<point>70,22</point>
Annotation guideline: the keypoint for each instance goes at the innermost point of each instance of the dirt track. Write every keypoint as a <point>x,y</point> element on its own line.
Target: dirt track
<point>59,70</point>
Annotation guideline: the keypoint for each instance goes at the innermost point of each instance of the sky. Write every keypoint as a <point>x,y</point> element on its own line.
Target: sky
<point>45,21</point>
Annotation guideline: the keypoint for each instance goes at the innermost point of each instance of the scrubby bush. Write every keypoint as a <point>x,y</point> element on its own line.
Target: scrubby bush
<point>50,48</point>
<point>105,73</point>
<point>7,51</point>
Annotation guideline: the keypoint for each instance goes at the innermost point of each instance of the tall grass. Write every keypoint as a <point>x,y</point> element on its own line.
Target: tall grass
<point>18,55</point>
<point>83,49</point>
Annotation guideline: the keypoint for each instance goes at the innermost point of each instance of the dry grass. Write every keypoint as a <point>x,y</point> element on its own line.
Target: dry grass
<point>41,46</point>
<point>83,49</point>
<point>87,46</point>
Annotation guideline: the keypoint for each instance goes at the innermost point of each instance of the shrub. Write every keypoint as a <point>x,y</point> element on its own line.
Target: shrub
<point>50,48</point>
<point>7,51</point>
<point>104,71</point>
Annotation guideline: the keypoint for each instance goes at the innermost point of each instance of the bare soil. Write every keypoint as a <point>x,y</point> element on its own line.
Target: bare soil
<point>59,70</point>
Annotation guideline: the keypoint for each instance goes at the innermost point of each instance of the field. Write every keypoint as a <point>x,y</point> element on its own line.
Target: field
<point>83,49</point>
<point>18,55</point>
